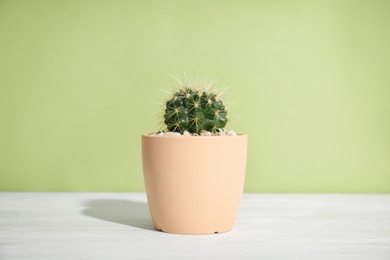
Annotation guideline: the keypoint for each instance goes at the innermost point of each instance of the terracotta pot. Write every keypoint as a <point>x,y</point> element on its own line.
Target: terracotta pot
<point>194,184</point>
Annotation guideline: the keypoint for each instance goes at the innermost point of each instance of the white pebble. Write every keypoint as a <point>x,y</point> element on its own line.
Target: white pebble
<point>186,133</point>
<point>221,133</point>
<point>231,133</point>
<point>160,134</point>
<point>168,134</point>
<point>176,134</point>
<point>205,133</point>
<point>195,134</point>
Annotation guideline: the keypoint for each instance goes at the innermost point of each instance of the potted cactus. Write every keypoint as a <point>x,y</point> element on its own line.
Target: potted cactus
<point>194,170</point>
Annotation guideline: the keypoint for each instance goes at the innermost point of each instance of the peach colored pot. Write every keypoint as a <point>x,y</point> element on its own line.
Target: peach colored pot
<point>194,183</point>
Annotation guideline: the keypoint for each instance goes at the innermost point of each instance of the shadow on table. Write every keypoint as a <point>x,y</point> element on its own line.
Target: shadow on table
<point>126,212</point>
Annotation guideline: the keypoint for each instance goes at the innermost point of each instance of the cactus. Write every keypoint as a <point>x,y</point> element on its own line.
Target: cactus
<point>194,109</point>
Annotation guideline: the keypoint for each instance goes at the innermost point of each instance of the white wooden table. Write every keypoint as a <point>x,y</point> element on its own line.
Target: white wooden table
<point>118,226</point>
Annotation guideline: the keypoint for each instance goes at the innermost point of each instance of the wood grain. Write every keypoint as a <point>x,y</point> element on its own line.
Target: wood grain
<point>118,226</point>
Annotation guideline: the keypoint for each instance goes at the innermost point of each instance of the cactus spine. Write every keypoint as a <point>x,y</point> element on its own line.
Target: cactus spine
<point>194,109</point>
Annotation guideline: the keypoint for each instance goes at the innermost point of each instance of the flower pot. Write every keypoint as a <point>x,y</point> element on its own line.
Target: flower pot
<point>194,184</point>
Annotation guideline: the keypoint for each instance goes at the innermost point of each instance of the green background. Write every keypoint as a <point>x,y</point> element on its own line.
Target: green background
<point>79,85</point>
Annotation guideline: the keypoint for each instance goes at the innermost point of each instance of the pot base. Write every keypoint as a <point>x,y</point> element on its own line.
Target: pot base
<point>192,233</point>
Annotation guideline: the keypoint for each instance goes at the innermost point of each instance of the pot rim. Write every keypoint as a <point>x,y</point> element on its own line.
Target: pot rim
<point>189,136</point>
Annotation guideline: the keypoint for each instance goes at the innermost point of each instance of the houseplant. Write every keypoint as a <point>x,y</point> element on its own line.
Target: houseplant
<point>194,170</point>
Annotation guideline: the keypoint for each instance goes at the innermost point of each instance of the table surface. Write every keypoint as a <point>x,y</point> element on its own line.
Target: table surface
<point>118,226</point>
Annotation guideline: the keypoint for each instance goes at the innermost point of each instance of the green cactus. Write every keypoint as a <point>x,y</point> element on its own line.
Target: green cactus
<point>194,109</point>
